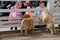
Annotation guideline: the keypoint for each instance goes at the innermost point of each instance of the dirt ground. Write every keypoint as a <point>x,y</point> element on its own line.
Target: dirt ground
<point>31,36</point>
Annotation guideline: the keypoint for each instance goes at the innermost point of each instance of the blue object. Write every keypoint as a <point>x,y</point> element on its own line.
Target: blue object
<point>40,26</point>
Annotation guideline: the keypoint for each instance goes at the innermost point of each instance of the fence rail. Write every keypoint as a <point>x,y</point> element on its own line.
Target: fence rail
<point>7,24</point>
<point>19,10</point>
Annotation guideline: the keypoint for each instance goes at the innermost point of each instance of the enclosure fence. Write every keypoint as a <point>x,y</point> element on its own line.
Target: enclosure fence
<point>5,24</point>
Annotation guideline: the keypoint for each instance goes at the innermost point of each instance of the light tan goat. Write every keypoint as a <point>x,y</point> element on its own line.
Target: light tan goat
<point>47,19</point>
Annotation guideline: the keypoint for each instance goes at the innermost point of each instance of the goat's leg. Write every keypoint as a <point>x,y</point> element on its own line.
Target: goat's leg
<point>54,30</point>
<point>51,30</point>
<point>31,29</point>
<point>21,30</point>
<point>26,31</point>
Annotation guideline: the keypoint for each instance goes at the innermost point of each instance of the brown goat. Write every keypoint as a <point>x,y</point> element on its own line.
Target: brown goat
<point>27,23</point>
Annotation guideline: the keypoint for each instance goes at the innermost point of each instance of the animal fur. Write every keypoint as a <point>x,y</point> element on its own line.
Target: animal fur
<point>27,23</point>
<point>47,19</point>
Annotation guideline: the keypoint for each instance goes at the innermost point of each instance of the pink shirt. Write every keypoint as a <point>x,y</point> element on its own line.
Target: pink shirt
<point>14,13</point>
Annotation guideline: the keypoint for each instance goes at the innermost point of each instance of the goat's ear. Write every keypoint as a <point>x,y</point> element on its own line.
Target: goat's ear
<point>24,16</point>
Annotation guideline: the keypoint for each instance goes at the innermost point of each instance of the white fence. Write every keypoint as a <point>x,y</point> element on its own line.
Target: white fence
<point>6,24</point>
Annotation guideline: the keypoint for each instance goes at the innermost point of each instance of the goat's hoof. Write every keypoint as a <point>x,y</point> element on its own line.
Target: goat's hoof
<point>52,33</point>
